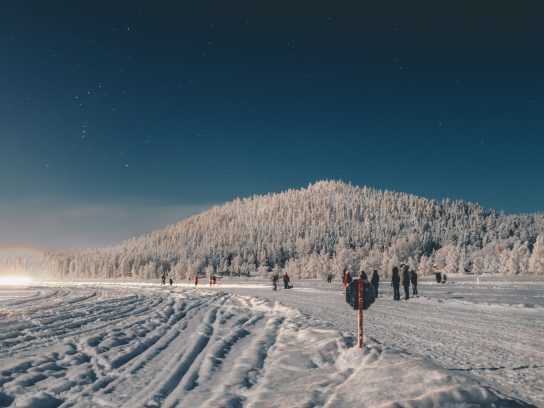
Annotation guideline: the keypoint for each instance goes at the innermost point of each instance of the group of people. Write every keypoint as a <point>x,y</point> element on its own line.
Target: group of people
<point>286,280</point>
<point>404,278</point>
<point>214,280</point>
<point>163,280</point>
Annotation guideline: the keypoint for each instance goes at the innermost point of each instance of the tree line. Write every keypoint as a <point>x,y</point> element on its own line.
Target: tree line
<point>328,227</point>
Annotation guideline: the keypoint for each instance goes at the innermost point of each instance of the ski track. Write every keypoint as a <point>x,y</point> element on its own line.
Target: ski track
<point>120,347</point>
<point>158,347</point>
<point>500,345</point>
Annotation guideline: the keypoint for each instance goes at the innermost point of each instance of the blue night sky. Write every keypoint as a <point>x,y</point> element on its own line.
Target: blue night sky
<point>120,117</point>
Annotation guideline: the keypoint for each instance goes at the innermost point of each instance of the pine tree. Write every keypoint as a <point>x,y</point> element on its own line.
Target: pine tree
<point>536,262</point>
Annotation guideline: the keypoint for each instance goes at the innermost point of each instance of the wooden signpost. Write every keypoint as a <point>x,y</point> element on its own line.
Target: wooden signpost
<point>357,299</point>
<point>360,311</point>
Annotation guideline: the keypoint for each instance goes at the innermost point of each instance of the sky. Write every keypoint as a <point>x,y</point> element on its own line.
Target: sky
<point>117,118</point>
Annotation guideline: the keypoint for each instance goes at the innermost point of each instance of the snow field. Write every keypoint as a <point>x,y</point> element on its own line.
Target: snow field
<point>143,346</point>
<point>491,331</point>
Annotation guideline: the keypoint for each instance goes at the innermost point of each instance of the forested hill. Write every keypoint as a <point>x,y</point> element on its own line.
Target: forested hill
<point>329,226</point>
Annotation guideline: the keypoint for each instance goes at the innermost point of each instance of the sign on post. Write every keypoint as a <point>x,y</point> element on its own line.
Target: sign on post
<point>360,295</point>
<point>360,314</point>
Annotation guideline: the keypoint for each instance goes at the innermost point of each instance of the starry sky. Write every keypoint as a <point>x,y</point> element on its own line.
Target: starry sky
<point>119,117</point>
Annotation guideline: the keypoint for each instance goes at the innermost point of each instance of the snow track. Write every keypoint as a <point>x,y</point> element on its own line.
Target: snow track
<point>105,346</point>
<point>498,342</point>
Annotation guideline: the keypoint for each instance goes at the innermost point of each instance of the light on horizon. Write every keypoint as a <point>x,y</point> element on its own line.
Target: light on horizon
<point>14,280</point>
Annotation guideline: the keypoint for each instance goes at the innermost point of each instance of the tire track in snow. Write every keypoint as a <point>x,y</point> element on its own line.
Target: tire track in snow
<point>462,336</point>
<point>181,363</point>
<point>177,347</point>
<point>96,318</point>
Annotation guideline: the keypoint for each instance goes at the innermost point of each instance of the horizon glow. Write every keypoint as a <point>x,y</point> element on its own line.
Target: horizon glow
<point>14,280</point>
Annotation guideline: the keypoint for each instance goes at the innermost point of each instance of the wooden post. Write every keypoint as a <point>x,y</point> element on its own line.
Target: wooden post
<point>360,300</point>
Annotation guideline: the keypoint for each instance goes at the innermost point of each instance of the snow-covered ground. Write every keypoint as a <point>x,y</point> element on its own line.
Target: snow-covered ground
<point>240,344</point>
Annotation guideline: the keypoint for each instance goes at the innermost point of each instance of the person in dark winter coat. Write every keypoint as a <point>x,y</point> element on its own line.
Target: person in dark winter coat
<point>438,277</point>
<point>405,281</point>
<point>395,282</point>
<point>275,279</point>
<point>171,282</point>
<point>375,281</point>
<point>369,294</point>
<point>286,281</point>
<point>413,279</point>
<point>347,279</point>
<point>196,280</point>
<point>329,278</point>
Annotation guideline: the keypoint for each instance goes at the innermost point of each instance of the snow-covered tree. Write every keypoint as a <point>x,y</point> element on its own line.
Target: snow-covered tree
<point>518,260</point>
<point>262,271</point>
<point>477,261</point>
<point>536,262</point>
<point>425,266</point>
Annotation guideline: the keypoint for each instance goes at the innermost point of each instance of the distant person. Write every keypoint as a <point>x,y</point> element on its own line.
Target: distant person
<point>286,281</point>
<point>196,280</point>
<point>413,279</point>
<point>375,281</point>
<point>369,294</point>
<point>171,282</point>
<point>163,280</point>
<point>347,279</point>
<point>395,282</point>
<point>214,279</point>
<point>405,281</point>
<point>329,278</point>
<point>275,279</point>
<point>438,277</point>
<point>444,278</point>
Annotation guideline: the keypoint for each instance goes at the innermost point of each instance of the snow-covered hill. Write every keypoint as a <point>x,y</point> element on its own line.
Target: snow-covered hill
<point>329,226</point>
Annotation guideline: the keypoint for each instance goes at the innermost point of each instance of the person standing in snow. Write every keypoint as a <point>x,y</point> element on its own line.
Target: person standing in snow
<point>347,279</point>
<point>375,281</point>
<point>405,281</point>
<point>171,282</point>
<point>196,280</point>
<point>438,277</point>
<point>395,282</point>
<point>329,278</point>
<point>275,279</point>
<point>413,279</point>
<point>286,281</point>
